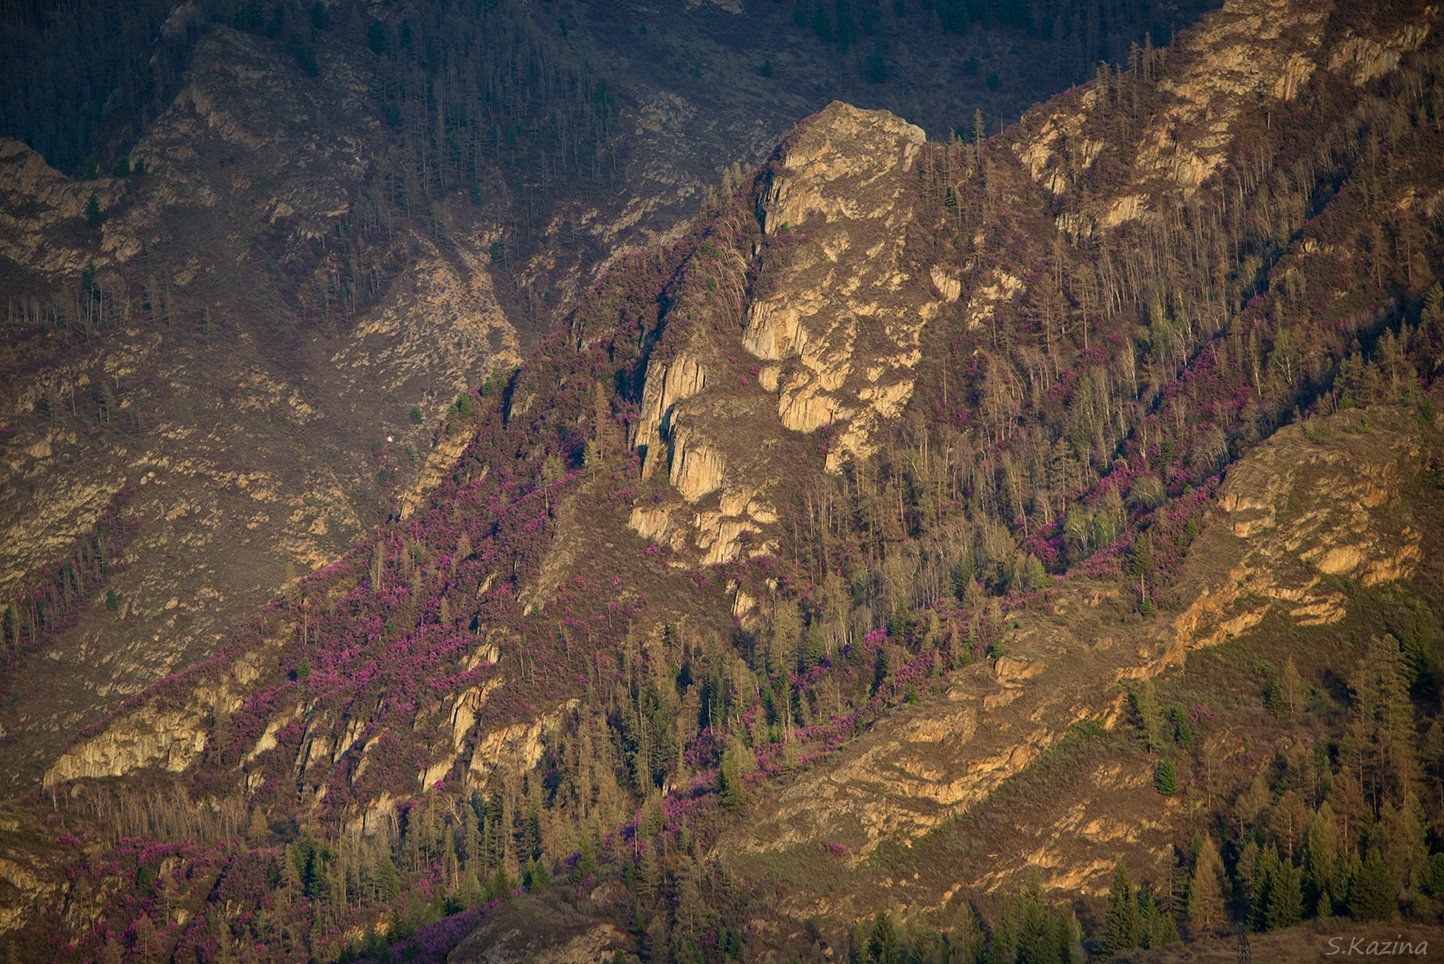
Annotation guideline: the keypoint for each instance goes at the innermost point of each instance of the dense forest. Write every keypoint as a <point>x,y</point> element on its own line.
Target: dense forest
<point>459,82</point>
<point>511,107</point>
<point>469,86</point>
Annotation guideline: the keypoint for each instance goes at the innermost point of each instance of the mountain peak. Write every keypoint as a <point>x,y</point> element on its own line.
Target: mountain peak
<point>832,156</point>
<point>839,118</point>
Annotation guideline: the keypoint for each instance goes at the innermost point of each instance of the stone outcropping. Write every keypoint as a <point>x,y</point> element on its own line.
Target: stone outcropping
<point>840,330</point>
<point>1230,73</point>
<point>158,737</point>
<point>830,346</point>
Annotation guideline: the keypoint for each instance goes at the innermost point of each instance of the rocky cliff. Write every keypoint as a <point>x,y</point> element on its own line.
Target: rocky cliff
<point>825,340</point>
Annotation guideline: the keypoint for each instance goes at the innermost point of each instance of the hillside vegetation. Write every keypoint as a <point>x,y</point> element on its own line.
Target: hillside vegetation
<point>1005,548</point>
<point>251,252</point>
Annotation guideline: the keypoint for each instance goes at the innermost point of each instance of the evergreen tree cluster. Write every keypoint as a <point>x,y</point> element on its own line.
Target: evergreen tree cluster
<point>1027,929</point>
<point>1340,831</point>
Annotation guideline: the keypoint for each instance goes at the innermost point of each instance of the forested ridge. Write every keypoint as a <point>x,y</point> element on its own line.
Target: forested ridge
<point>469,88</point>
<point>1073,433</point>
<point>500,88</point>
<point>512,108</point>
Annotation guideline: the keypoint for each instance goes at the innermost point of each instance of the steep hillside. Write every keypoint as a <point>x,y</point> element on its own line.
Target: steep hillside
<point>929,527</point>
<point>191,367</point>
<point>946,798</point>
<point>265,246</point>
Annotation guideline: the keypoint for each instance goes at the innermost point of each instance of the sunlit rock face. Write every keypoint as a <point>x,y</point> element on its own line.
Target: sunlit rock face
<point>830,343</point>
<point>1246,61</point>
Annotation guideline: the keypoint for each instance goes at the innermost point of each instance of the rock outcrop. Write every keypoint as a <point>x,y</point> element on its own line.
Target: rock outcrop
<point>166,737</point>
<point>835,338</point>
<point>839,330</point>
<point>1244,62</point>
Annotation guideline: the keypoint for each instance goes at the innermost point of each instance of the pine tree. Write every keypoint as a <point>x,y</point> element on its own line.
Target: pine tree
<point>1405,847</point>
<point>1285,897</point>
<point>1434,880</point>
<point>1291,689</point>
<point>1246,872</point>
<point>538,876</point>
<point>1382,728</point>
<point>586,865</point>
<point>149,944</point>
<point>1266,877</point>
<point>1165,778</point>
<point>1002,943</point>
<point>782,639</point>
<point>93,216</point>
<point>1147,714</point>
<point>1071,934</point>
<point>1372,890</point>
<point>1205,889</point>
<point>1141,567</point>
<point>737,761</point>
<point>1321,861</point>
<point>883,944</point>
<point>1122,925</point>
<point>1162,928</point>
<point>1035,932</point>
<point>1346,799</point>
<point>692,917</point>
<point>1251,803</point>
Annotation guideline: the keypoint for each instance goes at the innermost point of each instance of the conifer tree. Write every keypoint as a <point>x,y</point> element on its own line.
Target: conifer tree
<point>883,944</point>
<point>691,913</point>
<point>1266,878</point>
<point>1434,880</point>
<point>1373,889</point>
<point>1322,870</point>
<point>1122,925</point>
<point>1246,873</point>
<point>1382,729</point>
<point>1405,847</point>
<point>1205,889</point>
<point>1162,928</point>
<point>1165,778</point>
<point>737,762</point>
<point>1251,803</point>
<point>1147,713</point>
<point>1291,688</point>
<point>1285,897</point>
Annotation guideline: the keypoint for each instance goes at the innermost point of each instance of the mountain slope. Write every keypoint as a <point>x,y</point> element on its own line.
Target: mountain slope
<point>321,224</point>
<point>187,372</point>
<point>1297,531</point>
<point>855,527</point>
